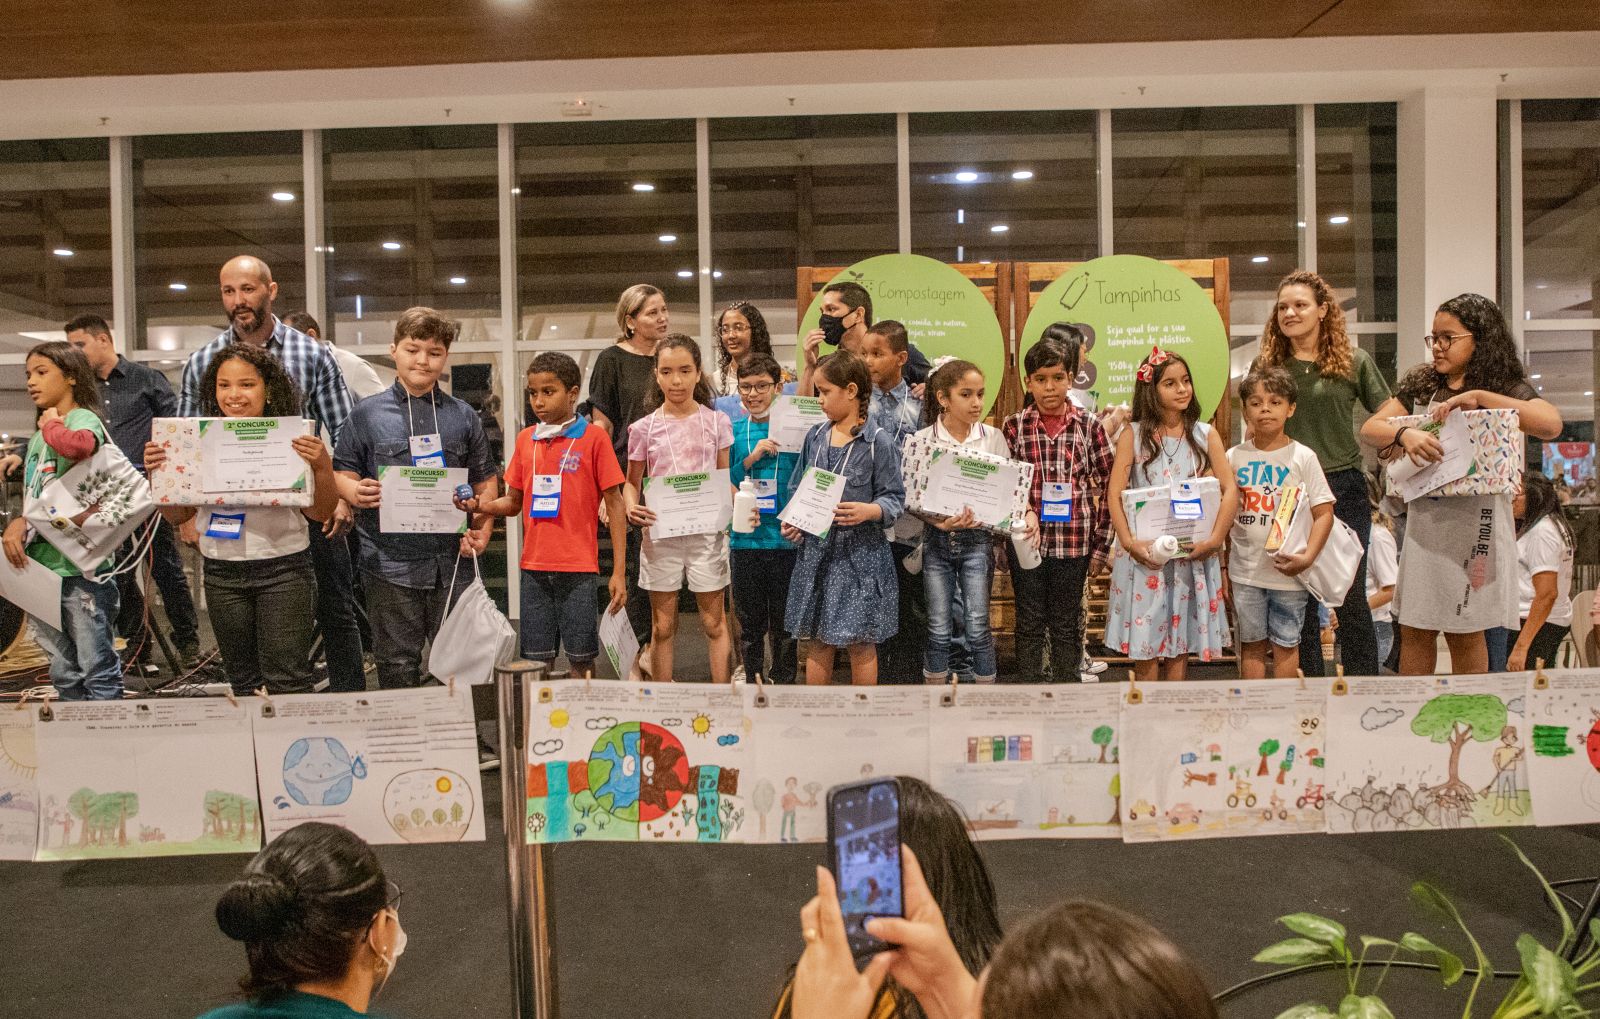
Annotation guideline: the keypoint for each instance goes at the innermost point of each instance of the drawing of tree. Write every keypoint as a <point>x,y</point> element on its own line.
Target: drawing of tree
<point>81,805</point>
<point>1267,748</point>
<point>1102,739</point>
<point>762,800</point>
<point>1116,794</point>
<point>214,805</point>
<point>120,806</point>
<point>1456,719</point>
<point>456,813</point>
<point>1286,764</point>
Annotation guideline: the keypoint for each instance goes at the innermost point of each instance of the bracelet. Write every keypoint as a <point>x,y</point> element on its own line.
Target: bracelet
<point>1394,443</point>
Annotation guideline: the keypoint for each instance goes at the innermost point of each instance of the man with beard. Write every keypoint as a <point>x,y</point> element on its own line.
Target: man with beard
<point>247,295</point>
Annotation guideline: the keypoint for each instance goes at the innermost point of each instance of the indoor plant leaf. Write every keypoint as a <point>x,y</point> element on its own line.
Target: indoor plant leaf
<point>1450,964</point>
<point>1567,929</point>
<point>1549,976</point>
<point>1364,1006</point>
<point>1297,951</point>
<point>1308,1010</point>
<point>1317,928</point>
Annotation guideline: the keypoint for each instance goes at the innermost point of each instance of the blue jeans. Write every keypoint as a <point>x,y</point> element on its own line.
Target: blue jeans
<point>1384,629</point>
<point>958,561</point>
<point>560,609</point>
<point>83,654</point>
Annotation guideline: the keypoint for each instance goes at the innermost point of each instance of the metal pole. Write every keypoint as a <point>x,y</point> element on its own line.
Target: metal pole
<point>532,939</point>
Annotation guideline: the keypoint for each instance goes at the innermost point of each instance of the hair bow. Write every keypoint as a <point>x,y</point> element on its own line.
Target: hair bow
<point>1147,371</point>
<point>941,361</point>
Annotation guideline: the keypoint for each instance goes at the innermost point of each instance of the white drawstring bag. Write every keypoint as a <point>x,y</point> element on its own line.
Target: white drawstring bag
<point>473,638</point>
<point>1330,575</point>
<point>88,512</point>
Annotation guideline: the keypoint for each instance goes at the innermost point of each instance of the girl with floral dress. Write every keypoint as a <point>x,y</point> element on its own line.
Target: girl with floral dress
<point>1160,614</point>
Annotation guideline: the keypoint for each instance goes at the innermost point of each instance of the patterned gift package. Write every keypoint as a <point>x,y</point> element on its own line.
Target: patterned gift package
<point>1149,510</point>
<point>1497,445</point>
<point>178,482</point>
<point>919,454</point>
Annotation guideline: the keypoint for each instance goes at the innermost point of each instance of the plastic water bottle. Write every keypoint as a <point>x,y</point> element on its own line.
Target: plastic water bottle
<point>744,507</point>
<point>913,561</point>
<point>1163,549</point>
<point>1027,556</point>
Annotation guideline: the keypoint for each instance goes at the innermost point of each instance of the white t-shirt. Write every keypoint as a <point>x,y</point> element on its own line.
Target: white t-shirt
<point>1543,550</point>
<point>360,377</point>
<point>1383,570</point>
<point>266,532</point>
<point>1261,476</point>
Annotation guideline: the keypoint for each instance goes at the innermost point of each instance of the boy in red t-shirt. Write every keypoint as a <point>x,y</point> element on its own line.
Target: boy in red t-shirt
<point>560,470</point>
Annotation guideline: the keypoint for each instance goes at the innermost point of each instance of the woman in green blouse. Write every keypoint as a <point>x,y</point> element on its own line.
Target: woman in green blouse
<point>320,925</point>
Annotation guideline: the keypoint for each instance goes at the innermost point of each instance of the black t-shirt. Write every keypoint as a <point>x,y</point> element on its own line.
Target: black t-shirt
<point>617,388</point>
<point>1519,390</point>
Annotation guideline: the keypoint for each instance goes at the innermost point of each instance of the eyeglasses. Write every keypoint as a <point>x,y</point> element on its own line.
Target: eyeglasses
<point>733,329</point>
<point>756,389</point>
<point>1443,341</point>
<point>394,891</point>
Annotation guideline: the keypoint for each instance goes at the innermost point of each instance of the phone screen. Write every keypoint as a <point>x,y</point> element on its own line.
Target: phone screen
<point>864,834</point>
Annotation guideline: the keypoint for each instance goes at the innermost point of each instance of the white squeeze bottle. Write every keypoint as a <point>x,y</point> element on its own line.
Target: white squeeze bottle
<point>1027,556</point>
<point>1163,549</point>
<point>744,507</point>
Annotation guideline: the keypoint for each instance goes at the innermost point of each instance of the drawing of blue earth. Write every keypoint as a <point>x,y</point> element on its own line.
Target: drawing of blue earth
<point>614,770</point>
<point>319,772</point>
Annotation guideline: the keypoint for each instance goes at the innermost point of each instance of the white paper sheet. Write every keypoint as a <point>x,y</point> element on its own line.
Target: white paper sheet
<point>956,481</point>
<point>1224,758</point>
<point>636,762</point>
<point>684,504</point>
<point>19,790</point>
<point>815,499</point>
<point>35,589</point>
<point>1409,480</point>
<point>792,418</point>
<point>621,644</point>
<point>419,500</point>
<point>1408,753</point>
<point>252,454</point>
<point>1030,761</point>
<point>132,778</point>
<point>393,766</point>
<point>1564,763</point>
<point>807,739</point>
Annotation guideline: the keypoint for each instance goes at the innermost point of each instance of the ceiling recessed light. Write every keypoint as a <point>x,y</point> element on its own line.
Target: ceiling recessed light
<point>667,238</point>
<point>458,281</point>
<point>391,245</point>
<point>686,274</point>
<point>966,176</point>
<point>983,261</point>
<point>1535,376</point>
<point>1259,259</point>
<point>553,328</point>
<point>1541,286</point>
<point>64,252</point>
<point>642,186</point>
<point>1338,220</point>
<point>283,196</point>
<point>177,286</point>
<point>716,274</point>
<point>999,228</point>
<point>961,216</point>
<point>516,191</point>
<point>1588,392</point>
<point>1301,224</point>
<point>1021,174</point>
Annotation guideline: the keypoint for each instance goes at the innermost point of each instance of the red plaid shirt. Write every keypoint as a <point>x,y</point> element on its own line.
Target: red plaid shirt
<point>1081,454</point>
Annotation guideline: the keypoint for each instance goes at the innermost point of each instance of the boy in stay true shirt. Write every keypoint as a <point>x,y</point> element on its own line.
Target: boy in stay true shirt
<point>560,471</point>
<point>1269,602</point>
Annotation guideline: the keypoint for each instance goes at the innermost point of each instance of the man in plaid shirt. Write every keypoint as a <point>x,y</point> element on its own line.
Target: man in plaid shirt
<point>1068,515</point>
<point>247,295</point>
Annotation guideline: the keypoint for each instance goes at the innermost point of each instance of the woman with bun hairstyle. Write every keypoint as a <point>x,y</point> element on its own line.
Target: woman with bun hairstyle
<point>1332,375</point>
<point>320,925</point>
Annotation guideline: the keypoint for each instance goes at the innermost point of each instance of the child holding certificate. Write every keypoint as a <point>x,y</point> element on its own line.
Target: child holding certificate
<point>261,587</point>
<point>957,553</point>
<point>762,559</point>
<point>1160,612</point>
<point>843,591</point>
<point>83,658</point>
<point>680,437</point>
<point>562,468</point>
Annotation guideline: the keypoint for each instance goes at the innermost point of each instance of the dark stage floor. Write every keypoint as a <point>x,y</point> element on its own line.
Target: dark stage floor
<point>670,931</point>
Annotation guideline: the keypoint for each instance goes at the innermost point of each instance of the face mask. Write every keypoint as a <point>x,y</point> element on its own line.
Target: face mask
<point>544,431</point>
<point>832,327</point>
<point>394,955</point>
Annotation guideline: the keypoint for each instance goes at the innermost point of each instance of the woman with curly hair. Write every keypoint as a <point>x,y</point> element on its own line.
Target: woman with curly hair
<point>260,583</point>
<point>1307,336</point>
<point>741,332</point>
<point>1458,564</point>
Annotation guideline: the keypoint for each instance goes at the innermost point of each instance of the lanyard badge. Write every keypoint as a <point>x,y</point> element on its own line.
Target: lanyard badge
<point>766,495</point>
<point>1056,502</point>
<point>544,497</point>
<point>225,526</point>
<point>427,450</point>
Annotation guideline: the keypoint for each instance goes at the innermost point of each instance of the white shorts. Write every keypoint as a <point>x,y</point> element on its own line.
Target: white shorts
<point>702,559</point>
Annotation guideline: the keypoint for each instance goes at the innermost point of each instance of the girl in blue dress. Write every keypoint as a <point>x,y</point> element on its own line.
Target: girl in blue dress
<point>843,592</point>
<point>1159,615</point>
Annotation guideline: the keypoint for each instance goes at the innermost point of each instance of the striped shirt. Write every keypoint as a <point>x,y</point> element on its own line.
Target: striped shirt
<point>307,361</point>
<point>1081,455</point>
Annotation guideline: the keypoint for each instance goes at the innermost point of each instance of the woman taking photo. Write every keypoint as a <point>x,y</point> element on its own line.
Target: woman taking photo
<point>320,925</point>
<point>1307,336</point>
<point>1456,565</point>
<point>618,383</point>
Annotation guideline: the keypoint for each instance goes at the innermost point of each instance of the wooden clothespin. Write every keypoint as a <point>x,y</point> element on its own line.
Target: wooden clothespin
<point>1340,687</point>
<point>1540,680</point>
<point>232,700</point>
<point>1135,695</point>
<point>452,686</point>
<point>948,698</point>
<point>1302,674</point>
<point>761,689</point>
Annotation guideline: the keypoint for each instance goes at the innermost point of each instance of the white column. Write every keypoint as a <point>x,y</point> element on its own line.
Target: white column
<point>510,331</point>
<point>1105,220</point>
<point>1447,156</point>
<point>124,294</point>
<point>702,206</point>
<point>902,178</point>
<point>312,198</point>
<point>1306,180</point>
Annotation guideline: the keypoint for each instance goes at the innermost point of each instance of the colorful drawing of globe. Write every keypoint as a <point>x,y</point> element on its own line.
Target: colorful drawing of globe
<point>319,772</point>
<point>637,771</point>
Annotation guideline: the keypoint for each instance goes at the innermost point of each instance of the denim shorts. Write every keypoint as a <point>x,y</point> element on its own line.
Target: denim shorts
<point>559,612</point>
<point>1268,614</point>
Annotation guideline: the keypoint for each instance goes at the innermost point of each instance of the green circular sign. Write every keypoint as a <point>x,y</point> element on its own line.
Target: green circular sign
<point>1127,304</point>
<point>944,312</point>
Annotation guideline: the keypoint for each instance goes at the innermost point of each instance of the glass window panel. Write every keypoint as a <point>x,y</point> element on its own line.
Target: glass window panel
<point>994,187</point>
<point>198,201</point>
<point>55,237</point>
<point>1209,183</point>
<point>412,219</point>
<point>585,232</point>
<point>1561,207</point>
<point>1357,207</point>
<point>1561,367</point>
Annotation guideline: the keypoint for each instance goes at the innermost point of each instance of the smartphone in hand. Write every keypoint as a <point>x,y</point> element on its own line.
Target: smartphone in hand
<point>864,855</point>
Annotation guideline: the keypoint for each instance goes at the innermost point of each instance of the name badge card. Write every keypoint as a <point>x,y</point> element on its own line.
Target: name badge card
<point>544,497</point>
<point>1186,502</point>
<point>1056,504</point>
<point>766,495</point>
<point>227,526</point>
<point>427,451</point>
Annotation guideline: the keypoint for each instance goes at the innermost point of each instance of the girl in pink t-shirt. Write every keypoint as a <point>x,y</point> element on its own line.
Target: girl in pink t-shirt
<point>680,435</point>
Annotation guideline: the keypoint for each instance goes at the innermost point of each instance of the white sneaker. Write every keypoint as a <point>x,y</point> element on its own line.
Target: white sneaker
<point>1095,666</point>
<point>1088,677</point>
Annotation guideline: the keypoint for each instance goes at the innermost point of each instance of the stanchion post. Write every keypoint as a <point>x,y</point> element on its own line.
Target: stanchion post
<point>532,941</point>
